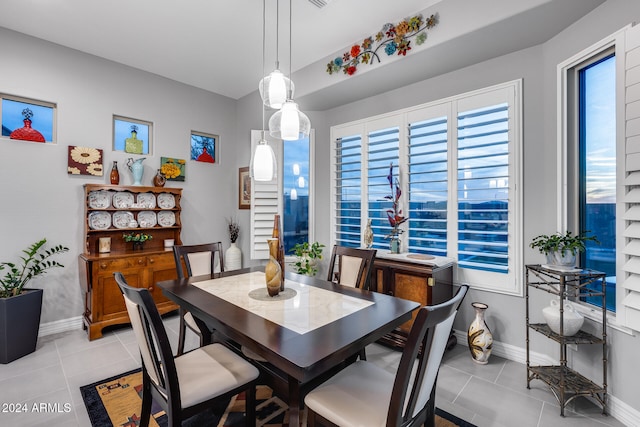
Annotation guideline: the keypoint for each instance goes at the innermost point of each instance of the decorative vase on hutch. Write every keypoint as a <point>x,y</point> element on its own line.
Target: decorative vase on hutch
<point>368,235</point>
<point>115,174</point>
<point>138,246</point>
<point>479,336</point>
<point>159,180</point>
<point>272,271</point>
<point>394,245</point>
<point>137,169</point>
<point>233,258</point>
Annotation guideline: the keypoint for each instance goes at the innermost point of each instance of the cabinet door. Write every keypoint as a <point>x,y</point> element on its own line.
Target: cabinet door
<point>160,267</point>
<point>411,287</point>
<point>109,300</point>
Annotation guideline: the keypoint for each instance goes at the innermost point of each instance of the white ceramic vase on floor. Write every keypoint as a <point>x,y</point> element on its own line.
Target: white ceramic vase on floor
<point>233,258</point>
<point>479,336</point>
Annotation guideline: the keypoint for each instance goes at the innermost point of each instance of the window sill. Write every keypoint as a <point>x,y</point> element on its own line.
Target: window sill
<point>595,314</point>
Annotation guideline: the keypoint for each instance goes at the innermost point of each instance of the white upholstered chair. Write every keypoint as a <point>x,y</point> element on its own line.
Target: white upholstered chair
<point>364,394</point>
<point>199,260</point>
<point>187,384</point>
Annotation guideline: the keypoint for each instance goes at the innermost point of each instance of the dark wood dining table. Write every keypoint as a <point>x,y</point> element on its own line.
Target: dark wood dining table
<point>304,351</point>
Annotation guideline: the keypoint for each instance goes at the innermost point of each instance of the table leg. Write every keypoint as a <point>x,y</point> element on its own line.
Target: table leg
<point>294,402</point>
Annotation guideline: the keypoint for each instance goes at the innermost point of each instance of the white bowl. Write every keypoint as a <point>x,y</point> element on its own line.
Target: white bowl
<point>572,319</point>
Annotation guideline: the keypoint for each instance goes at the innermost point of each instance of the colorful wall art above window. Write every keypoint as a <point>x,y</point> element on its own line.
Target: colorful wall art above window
<point>390,40</point>
<point>84,161</point>
<point>204,147</point>
<point>27,119</point>
<point>131,135</point>
<point>173,169</point>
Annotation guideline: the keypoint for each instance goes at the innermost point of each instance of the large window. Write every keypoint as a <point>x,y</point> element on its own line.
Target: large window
<point>458,163</point>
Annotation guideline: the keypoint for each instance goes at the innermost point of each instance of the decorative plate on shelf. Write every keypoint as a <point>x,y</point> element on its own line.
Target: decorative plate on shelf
<point>147,219</point>
<point>166,218</point>
<point>122,219</point>
<point>99,220</point>
<point>166,201</point>
<point>99,199</point>
<point>146,200</point>
<point>122,200</point>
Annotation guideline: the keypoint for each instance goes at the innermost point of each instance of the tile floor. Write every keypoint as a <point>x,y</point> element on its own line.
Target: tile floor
<point>490,395</point>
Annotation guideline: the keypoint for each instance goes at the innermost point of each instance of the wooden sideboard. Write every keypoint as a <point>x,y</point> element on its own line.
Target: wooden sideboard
<point>412,279</point>
<point>103,301</point>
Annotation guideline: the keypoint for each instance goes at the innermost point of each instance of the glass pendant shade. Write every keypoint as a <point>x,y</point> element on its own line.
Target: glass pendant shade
<point>289,123</point>
<point>263,163</point>
<point>274,89</point>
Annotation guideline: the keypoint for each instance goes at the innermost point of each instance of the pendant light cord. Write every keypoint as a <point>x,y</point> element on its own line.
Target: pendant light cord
<point>290,94</point>
<point>264,47</point>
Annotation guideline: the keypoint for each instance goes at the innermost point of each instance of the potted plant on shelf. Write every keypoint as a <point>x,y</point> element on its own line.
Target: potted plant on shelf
<point>137,239</point>
<point>307,257</point>
<point>233,255</point>
<point>20,307</point>
<point>561,249</point>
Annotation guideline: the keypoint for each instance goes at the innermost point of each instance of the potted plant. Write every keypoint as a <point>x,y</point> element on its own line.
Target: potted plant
<point>307,257</point>
<point>394,214</point>
<point>137,239</point>
<point>561,249</point>
<point>20,307</point>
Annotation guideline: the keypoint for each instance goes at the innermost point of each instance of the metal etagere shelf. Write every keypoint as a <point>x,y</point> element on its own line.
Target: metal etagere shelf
<point>565,383</point>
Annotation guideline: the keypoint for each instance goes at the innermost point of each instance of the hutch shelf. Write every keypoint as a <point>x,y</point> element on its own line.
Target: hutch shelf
<point>110,212</point>
<point>565,383</point>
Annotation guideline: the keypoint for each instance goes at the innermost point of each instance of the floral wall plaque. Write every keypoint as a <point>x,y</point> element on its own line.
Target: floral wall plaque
<point>84,161</point>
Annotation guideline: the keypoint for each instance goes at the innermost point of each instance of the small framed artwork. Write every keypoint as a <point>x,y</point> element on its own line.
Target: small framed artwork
<point>84,161</point>
<point>204,147</point>
<point>131,135</point>
<point>244,191</point>
<point>173,169</point>
<point>28,119</point>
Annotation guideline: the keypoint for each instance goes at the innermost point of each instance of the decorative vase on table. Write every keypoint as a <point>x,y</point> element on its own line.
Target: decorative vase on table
<point>479,336</point>
<point>137,169</point>
<point>272,271</point>
<point>394,245</point>
<point>233,258</point>
<point>368,235</point>
<point>277,234</point>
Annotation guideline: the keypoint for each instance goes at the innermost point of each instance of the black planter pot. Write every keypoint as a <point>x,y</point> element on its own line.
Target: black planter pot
<point>19,324</point>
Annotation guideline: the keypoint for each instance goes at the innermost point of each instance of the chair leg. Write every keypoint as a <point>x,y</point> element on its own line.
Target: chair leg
<point>250,406</point>
<point>145,411</point>
<point>363,354</point>
<point>181,333</point>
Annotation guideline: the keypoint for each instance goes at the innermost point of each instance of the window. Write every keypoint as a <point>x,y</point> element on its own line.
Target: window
<point>28,119</point>
<point>599,173</point>
<point>289,195</point>
<point>458,163</point>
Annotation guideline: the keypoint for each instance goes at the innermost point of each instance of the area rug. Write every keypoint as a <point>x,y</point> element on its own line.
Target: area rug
<point>116,401</point>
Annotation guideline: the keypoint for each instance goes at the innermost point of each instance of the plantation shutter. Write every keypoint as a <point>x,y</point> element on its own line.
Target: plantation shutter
<point>265,201</point>
<point>631,268</point>
<point>347,186</point>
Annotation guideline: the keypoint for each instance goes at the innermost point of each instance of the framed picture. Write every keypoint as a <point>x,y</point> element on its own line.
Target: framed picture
<point>131,135</point>
<point>84,161</point>
<point>173,169</point>
<point>204,147</point>
<point>27,119</point>
<point>244,190</point>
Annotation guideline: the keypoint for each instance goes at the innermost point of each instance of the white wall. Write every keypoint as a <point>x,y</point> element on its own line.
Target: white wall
<point>39,198</point>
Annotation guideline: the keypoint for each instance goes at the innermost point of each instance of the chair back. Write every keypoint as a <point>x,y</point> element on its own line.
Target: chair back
<point>414,383</point>
<point>353,266</point>
<point>199,259</point>
<point>155,349</point>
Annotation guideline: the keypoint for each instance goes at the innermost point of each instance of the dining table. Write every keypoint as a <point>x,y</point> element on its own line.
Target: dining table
<point>302,335</point>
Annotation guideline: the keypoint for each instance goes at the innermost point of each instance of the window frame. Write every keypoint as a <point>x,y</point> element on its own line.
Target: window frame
<point>510,283</point>
<point>568,159</point>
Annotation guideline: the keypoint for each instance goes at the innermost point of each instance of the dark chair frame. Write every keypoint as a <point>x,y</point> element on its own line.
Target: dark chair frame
<point>167,394</point>
<point>181,252</point>
<point>367,255</point>
<point>404,399</point>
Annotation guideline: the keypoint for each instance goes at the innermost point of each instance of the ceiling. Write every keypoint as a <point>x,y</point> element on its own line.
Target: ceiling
<point>217,46</point>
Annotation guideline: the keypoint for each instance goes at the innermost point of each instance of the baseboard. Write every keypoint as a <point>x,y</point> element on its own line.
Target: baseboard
<point>64,325</point>
<point>616,408</point>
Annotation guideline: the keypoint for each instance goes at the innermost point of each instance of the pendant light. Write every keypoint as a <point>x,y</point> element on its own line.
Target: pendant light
<point>289,123</point>
<point>275,87</point>
<point>263,165</point>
